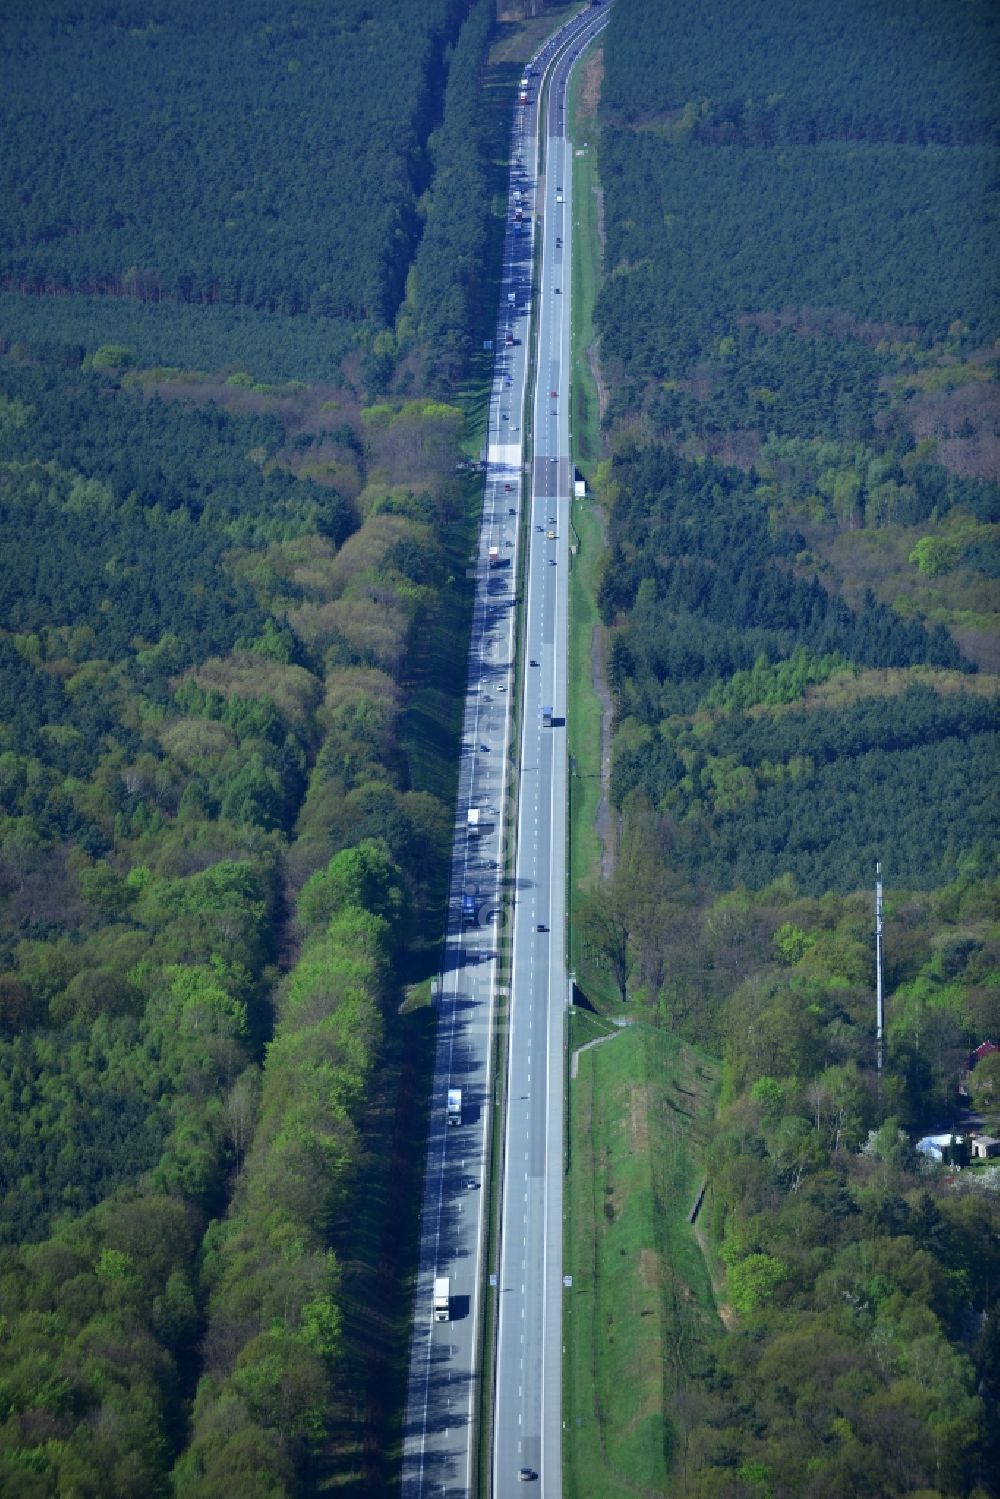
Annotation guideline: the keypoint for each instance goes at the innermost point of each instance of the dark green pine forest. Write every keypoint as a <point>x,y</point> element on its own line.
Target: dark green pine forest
<point>246,257</point>
<point>243,183</point>
<point>798,324</point>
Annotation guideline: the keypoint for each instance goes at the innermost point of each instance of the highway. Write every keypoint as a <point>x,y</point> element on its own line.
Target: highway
<point>441,1438</point>
<point>527,1426</point>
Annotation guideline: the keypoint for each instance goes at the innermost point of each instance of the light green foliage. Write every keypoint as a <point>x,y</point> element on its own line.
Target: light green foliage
<point>97,1297</point>
<point>769,1093</point>
<point>320,1327</point>
<point>284,1386</point>
<point>962,542</point>
<point>201,1005</point>
<point>752,1282</point>
<point>365,878</point>
<point>13,413</point>
<point>111,356</point>
<point>114,1265</point>
<point>89,497</point>
<point>269,1264</point>
<point>791,943</point>
<point>782,682</point>
<point>935,554</point>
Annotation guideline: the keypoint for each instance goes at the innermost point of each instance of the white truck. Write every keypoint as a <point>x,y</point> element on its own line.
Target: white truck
<point>442,1298</point>
<point>454,1105</point>
<point>472,825</point>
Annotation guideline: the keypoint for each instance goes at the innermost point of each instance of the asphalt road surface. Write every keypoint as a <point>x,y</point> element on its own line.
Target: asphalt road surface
<point>440,1435</point>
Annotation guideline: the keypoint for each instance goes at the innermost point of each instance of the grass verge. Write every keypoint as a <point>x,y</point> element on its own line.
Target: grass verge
<point>641,1305</point>
<point>583,722</point>
<point>584,711</point>
<point>586,276</point>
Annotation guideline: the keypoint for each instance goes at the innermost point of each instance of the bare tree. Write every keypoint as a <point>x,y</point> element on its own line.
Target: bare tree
<point>240,1112</point>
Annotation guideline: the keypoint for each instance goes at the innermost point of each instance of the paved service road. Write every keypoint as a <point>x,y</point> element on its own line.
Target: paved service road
<point>440,1435</point>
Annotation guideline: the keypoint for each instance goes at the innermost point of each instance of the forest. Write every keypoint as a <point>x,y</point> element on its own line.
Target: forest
<point>797,329</point>
<point>226,626</point>
<point>247,263</point>
<point>218,862</point>
<point>720,642</point>
<point>888,234</point>
<point>235,189</point>
<point>904,73</point>
<point>786,241</point>
<point>326,196</point>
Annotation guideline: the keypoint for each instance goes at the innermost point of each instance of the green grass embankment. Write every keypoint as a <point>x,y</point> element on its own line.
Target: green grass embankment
<point>641,1304</point>
<point>586,272</point>
<point>584,707</point>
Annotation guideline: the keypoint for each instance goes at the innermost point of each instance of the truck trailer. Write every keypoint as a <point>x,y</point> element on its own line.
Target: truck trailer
<point>454,1105</point>
<point>442,1298</point>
